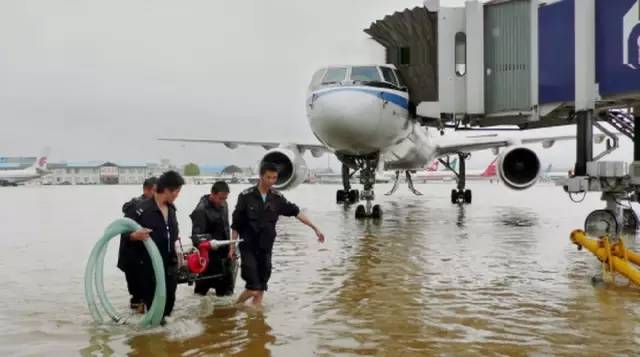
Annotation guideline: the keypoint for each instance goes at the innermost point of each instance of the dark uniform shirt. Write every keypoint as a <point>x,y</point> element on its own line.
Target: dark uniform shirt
<point>164,234</point>
<point>129,250</point>
<point>206,218</point>
<point>255,220</point>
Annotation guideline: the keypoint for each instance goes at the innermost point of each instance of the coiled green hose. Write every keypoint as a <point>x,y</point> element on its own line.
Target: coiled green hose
<point>94,279</point>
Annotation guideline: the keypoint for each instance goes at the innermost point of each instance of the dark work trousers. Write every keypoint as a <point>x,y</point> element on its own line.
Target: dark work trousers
<point>146,282</point>
<point>256,268</point>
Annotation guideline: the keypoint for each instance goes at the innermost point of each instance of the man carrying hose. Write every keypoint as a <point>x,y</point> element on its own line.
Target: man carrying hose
<point>129,250</point>
<point>157,216</point>
<point>211,218</point>
<point>254,220</point>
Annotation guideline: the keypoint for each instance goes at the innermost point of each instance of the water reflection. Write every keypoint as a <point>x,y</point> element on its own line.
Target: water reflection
<point>460,222</point>
<point>242,330</point>
<point>99,339</point>
<point>516,217</point>
<point>498,277</point>
<point>377,306</point>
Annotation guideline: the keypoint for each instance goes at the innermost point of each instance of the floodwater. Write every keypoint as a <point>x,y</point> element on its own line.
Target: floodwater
<point>498,277</point>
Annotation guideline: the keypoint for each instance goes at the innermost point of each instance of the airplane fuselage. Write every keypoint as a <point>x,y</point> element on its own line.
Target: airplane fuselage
<point>357,116</point>
<point>38,169</point>
<point>18,176</point>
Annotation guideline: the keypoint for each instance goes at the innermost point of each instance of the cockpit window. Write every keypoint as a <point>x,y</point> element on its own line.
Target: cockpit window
<point>400,79</point>
<point>387,73</point>
<point>317,78</point>
<point>365,74</point>
<point>334,75</point>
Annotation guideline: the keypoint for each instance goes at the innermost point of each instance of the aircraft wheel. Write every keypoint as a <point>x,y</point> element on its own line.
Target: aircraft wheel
<point>341,195</point>
<point>467,196</point>
<point>376,212</point>
<point>354,196</point>
<point>361,213</point>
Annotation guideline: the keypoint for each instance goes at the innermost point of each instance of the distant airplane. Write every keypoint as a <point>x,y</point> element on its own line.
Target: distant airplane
<point>549,175</point>
<point>446,174</point>
<point>15,177</point>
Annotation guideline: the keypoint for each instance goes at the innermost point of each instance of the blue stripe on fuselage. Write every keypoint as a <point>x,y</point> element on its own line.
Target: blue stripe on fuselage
<point>402,102</point>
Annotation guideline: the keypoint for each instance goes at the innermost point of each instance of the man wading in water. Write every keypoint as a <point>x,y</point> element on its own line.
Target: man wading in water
<point>254,220</point>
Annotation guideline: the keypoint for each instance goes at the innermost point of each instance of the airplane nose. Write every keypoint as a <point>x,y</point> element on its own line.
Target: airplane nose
<point>346,119</point>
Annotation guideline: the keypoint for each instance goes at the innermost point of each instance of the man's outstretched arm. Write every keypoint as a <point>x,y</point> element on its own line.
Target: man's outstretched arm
<point>306,221</point>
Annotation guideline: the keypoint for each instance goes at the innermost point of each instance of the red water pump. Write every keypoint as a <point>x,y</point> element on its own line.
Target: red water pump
<point>199,260</point>
<point>194,263</point>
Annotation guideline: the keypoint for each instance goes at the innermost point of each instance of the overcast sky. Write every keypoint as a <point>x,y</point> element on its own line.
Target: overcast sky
<point>100,80</point>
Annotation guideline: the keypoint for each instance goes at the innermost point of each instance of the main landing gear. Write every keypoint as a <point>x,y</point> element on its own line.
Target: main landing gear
<point>459,195</point>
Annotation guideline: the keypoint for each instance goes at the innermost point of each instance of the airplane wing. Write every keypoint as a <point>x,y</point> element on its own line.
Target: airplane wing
<point>316,149</point>
<point>495,142</point>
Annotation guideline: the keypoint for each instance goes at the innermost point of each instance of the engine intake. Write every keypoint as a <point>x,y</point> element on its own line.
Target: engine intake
<point>519,168</point>
<point>292,169</point>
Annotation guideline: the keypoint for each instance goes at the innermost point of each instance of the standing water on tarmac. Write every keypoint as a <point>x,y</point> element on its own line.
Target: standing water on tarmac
<point>498,276</point>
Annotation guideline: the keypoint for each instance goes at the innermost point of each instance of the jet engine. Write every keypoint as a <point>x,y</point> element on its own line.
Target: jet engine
<point>519,168</point>
<point>292,169</point>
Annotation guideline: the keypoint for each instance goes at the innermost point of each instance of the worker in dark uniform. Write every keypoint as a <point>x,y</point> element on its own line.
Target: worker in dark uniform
<point>254,220</point>
<point>211,216</point>
<point>157,216</point>
<point>127,254</point>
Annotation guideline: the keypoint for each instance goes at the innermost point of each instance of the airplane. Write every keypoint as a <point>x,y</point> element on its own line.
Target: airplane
<point>360,114</point>
<point>433,167</point>
<point>433,172</point>
<point>381,177</point>
<point>15,177</point>
<point>446,174</point>
<point>488,173</point>
<point>548,175</point>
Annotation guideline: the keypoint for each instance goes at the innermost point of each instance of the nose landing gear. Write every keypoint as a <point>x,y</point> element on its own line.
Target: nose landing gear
<point>347,195</point>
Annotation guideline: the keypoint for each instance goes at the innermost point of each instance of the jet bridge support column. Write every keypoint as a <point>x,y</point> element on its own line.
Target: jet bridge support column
<point>585,81</point>
<point>584,142</point>
<point>636,133</point>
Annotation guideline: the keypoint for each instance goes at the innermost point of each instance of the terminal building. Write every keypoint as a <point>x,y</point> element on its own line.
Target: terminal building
<point>90,172</point>
<point>16,163</point>
<point>94,173</point>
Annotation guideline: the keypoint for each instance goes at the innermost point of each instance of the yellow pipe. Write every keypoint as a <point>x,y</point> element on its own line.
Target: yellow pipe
<point>631,255</point>
<point>596,247</point>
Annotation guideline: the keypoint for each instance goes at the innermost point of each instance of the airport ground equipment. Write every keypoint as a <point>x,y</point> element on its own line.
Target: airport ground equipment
<point>193,261</point>
<point>190,265</point>
<point>615,257</point>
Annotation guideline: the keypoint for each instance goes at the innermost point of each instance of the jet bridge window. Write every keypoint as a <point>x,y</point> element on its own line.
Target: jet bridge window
<point>334,75</point>
<point>365,74</point>
<point>461,54</point>
<point>404,55</point>
<point>387,73</point>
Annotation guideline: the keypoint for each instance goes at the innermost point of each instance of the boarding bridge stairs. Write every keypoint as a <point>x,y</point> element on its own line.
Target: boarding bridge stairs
<point>622,121</point>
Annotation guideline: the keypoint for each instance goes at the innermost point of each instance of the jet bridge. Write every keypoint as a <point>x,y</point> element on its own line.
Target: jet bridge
<point>518,63</point>
<point>525,64</point>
